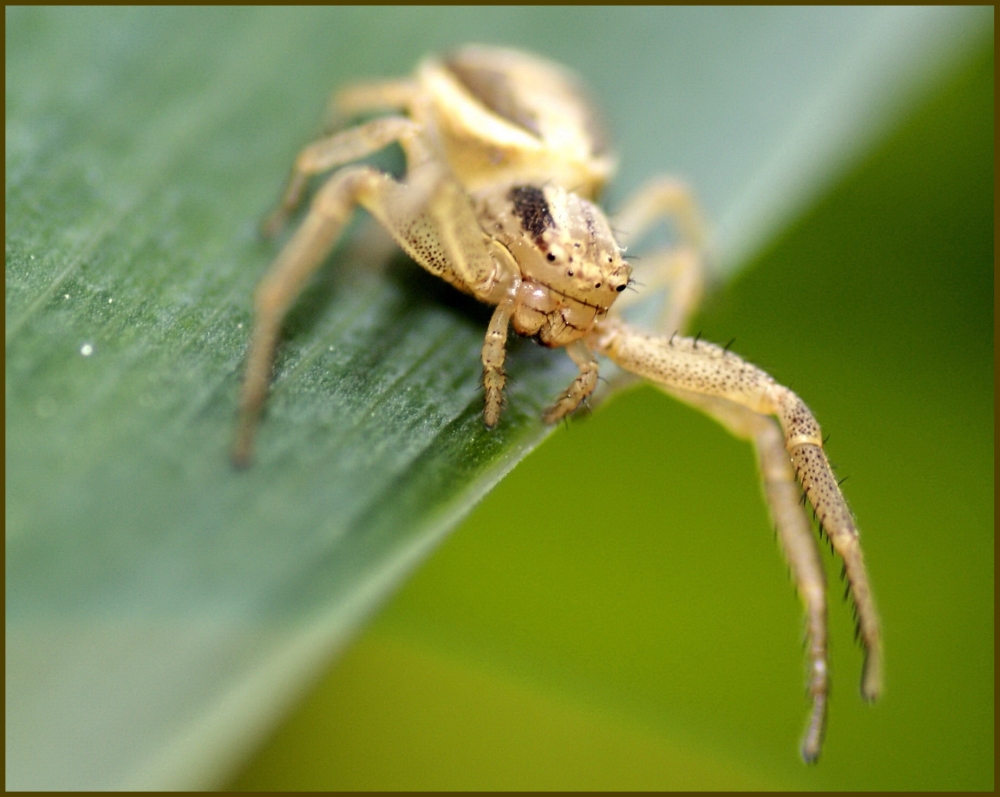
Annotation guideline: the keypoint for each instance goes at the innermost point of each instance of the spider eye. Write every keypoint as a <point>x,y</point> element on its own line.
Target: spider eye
<point>550,257</point>
<point>621,287</point>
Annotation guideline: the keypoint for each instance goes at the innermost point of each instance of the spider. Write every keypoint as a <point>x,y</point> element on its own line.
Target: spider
<point>505,159</point>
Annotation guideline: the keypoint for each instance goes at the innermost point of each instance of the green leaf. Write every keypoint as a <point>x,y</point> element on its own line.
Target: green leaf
<point>163,610</point>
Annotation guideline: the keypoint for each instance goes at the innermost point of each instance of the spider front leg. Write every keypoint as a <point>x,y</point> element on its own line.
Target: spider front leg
<point>681,270</point>
<point>688,366</point>
<point>797,540</point>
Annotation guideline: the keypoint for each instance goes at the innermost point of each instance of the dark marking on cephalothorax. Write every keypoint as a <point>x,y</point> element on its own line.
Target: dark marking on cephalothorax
<point>493,89</point>
<point>532,209</point>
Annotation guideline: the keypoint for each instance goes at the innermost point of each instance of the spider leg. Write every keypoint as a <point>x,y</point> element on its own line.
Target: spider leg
<point>680,268</point>
<point>412,212</point>
<point>361,98</point>
<point>797,541</point>
<point>494,354</point>
<point>284,281</point>
<point>579,388</point>
<point>735,400</point>
<point>662,197</point>
<point>702,368</point>
<point>477,264</point>
<point>328,153</point>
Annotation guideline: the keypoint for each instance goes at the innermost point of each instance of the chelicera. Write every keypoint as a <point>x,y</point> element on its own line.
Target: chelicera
<point>505,161</point>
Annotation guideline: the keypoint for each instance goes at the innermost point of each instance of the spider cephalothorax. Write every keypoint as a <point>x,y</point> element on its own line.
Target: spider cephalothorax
<point>571,268</point>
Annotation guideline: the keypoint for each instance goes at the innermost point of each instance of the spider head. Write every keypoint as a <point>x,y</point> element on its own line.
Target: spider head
<point>561,242</point>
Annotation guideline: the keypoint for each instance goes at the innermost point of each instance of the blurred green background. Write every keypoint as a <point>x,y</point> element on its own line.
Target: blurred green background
<point>616,614</point>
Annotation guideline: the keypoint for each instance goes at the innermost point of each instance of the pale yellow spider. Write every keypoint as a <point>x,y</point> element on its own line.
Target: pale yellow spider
<point>505,160</point>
